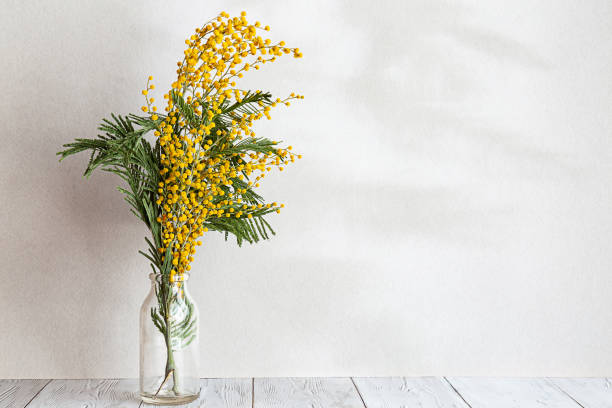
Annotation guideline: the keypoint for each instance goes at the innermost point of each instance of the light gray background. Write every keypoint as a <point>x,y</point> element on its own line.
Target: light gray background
<point>451,214</point>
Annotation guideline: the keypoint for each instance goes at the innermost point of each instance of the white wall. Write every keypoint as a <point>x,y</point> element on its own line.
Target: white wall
<point>451,214</point>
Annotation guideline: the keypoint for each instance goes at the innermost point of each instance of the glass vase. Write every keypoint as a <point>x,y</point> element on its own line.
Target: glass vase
<point>169,352</point>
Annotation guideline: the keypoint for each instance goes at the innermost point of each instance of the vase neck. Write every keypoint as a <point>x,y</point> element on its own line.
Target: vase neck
<point>178,279</point>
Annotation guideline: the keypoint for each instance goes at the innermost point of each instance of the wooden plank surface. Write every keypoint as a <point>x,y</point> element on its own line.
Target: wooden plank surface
<point>216,393</point>
<point>589,392</point>
<point>86,393</point>
<point>17,393</point>
<point>511,393</point>
<point>425,392</point>
<point>305,393</point>
<point>234,393</point>
<point>402,392</point>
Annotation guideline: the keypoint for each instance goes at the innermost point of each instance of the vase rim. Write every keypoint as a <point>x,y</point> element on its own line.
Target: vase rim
<point>157,277</point>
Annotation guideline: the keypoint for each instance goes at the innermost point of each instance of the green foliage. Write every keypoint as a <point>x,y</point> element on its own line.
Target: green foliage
<point>179,332</point>
<point>123,150</point>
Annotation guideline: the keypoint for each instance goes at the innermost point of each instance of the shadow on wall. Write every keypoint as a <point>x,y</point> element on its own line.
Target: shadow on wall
<point>422,50</point>
<point>431,58</point>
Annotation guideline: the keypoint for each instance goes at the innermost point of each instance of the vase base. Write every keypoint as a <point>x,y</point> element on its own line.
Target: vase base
<point>168,399</point>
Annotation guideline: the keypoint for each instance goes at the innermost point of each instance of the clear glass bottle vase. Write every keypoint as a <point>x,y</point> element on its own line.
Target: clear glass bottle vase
<point>169,352</point>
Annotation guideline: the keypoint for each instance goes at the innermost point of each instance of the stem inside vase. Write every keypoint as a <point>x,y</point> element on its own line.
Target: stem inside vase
<point>170,364</point>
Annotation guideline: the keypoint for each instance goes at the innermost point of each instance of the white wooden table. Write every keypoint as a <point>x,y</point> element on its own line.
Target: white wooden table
<point>399,392</point>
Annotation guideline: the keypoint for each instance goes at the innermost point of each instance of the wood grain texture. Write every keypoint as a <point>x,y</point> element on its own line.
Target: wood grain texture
<point>17,393</point>
<point>216,393</point>
<point>306,393</point>
<point>589,392</point>
<point>511,393</point>
<point>398,392</point>
<point>401,392</point>
<point>230,393</point>
<point>87,393</point>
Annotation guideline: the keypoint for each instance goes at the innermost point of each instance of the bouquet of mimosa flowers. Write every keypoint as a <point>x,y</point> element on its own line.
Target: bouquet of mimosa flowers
<point>192,167</point>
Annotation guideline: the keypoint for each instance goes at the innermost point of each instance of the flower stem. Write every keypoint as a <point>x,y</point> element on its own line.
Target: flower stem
<point>170,364</point>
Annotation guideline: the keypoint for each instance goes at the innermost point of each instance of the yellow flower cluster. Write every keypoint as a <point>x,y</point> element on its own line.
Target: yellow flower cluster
<point>209,153</point>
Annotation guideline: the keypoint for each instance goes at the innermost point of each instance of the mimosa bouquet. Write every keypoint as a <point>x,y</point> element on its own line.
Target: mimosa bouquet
<point>194,167</point>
